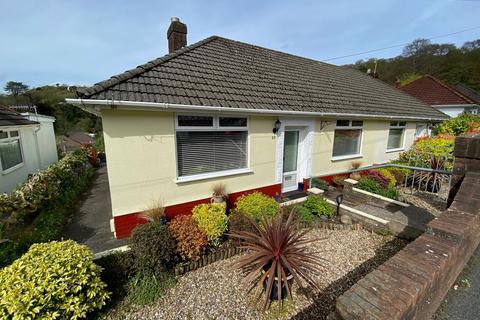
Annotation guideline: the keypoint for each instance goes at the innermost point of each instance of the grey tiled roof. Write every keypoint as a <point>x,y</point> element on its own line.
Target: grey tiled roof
<point>9,117</point>
<point>220,72</point>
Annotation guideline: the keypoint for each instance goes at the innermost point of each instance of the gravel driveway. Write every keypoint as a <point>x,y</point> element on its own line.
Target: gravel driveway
<point>214,291</point>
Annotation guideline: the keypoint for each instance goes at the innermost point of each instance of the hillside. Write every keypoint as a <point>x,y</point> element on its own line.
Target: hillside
<point>445,61</point>
<point>50,100</point>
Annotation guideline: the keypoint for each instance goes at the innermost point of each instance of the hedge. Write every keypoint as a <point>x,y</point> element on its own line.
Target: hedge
<point>36,210</point>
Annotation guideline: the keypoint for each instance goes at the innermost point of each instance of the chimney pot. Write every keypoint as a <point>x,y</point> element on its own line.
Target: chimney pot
<point>176,35</point>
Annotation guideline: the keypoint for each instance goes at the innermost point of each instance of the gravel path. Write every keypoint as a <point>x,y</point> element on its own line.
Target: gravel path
<point>214,291</point>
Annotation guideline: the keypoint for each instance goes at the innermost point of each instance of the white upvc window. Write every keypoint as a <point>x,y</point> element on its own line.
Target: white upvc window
<point>396,136</point>
<point>11,156</point>
<point>347,142</point>
<point>210,146</point>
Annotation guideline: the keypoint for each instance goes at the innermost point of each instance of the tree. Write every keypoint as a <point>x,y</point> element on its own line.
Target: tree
<point>417,48</point>
<point>16,88</point>
<point>445,61</point>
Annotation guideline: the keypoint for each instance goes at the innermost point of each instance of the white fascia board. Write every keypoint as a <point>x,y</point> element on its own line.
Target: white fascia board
<point>42,116</point>
<point>178,107</point>
<point>18,127</point>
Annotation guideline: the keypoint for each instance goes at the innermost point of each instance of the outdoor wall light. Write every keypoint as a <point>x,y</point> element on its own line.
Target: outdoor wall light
<point>276,127</point>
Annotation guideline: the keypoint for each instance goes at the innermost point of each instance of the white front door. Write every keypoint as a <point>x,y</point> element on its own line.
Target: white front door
<point>290,160</point>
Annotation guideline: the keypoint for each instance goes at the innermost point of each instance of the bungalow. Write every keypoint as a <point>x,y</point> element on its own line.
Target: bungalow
<point>27,144</point>
<point>449,100</point>
<point>252,118</point>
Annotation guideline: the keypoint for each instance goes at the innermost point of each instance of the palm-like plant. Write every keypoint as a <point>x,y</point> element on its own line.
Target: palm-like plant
<point>276,252</point>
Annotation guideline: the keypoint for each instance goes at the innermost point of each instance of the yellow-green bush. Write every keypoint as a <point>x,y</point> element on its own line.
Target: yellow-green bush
<point>392,181</point>
<point>256,204</point>
<point>212,220</point>
<point>55,280</point>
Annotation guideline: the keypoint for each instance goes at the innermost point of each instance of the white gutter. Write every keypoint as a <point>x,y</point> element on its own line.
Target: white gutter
<point>173,106</point>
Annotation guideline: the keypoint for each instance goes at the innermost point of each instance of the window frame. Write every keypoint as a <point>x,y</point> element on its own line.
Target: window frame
<point>216,123</point>
<point>8,139</point>
<point>349,127</point>
<point>398,125</point>
<point>215,127</point>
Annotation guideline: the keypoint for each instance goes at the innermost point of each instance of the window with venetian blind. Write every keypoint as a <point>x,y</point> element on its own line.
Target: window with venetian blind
<point>210,144</point>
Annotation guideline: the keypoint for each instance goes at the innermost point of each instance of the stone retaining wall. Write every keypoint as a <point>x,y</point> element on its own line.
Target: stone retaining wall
<point>413,283</point>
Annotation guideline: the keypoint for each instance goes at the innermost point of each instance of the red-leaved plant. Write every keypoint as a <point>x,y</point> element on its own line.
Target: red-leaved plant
<point>276,252</point>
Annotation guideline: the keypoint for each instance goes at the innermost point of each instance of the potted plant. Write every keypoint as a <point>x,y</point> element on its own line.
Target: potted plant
<point>355,175</point>
<point>339,181</point>
<point>277,256</point>
<point>219,194</point>
<point>155,213</point>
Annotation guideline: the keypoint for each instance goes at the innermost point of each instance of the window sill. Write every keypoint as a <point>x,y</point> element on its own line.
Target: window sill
<point>350,156</point>
<point>395,150</point>
<point>18,166</point>
<point>212,175</point>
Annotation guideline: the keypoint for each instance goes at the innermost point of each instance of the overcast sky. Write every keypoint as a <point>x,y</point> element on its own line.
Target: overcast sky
<point>83,42</point>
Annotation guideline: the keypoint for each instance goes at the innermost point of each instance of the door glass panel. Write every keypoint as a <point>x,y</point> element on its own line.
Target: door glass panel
<point>290,151</point>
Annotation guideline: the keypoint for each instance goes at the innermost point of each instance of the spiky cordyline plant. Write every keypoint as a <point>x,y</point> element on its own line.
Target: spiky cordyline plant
<point>276,251</point>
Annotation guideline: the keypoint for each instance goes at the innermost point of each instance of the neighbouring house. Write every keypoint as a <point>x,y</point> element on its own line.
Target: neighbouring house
<point>441,96</point>
<point>252,118</point>
<point>27,144</point>
<point>75,140</point>
<point>469,92</point>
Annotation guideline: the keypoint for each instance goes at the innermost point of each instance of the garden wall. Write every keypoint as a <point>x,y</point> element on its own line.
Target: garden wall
<point>413,283</point>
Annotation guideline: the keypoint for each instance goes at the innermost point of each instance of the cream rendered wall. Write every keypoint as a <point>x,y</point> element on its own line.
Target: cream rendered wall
<point>373,148</point>
<point>10,179</point>
<point>140,149</point>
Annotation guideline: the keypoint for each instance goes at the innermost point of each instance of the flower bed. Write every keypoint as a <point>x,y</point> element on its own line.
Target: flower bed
<point>37,209</point>
<point>215,291</point>
<point>201,239</point>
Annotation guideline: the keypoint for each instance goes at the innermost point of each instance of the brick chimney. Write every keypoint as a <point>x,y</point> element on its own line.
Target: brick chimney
<point>176,35</point>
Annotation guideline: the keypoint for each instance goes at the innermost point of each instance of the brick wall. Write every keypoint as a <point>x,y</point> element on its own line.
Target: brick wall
<point>413,283</point>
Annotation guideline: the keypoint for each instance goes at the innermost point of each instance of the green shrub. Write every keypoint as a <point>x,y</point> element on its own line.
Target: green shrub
<point>319,183</point>
<point>317,205</point>
<point>55,280</point>
<point>399,174</point>
<point>118,268</point>
<point>370,184</point>
<point>153,248</point>
<point>145,288</point>
<point>238,221</point>
<point>256,205</point>
<point>304,214</point>
<point>392,181</point>
<point>212,220</point>
<point>41,189</point>
<point>458,125</point>
<point>48,223</point>
<point>424,149</point>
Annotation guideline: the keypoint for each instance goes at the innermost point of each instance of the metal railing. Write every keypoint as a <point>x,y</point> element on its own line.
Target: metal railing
<point>430,180</point>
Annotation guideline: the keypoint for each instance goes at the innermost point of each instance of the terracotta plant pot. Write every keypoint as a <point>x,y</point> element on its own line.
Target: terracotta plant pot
<point>355,176</point>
